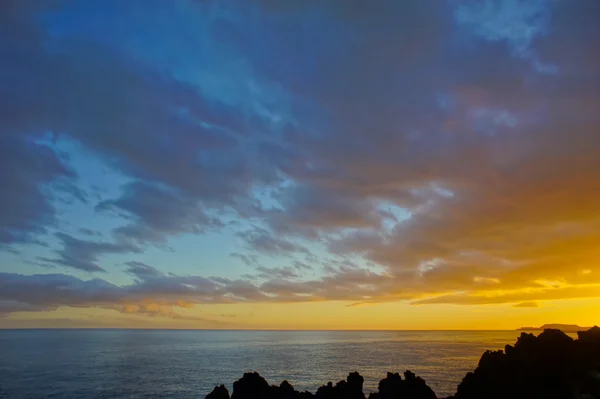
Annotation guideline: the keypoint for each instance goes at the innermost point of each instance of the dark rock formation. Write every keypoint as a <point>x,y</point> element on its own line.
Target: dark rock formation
<point>219,392</point>
<point>253,386</point>
<point>549,366</point>
<point>352,388</point>
<point>393,386</point>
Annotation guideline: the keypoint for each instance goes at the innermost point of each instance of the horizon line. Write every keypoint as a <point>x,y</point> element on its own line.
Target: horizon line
<point>242,329</point>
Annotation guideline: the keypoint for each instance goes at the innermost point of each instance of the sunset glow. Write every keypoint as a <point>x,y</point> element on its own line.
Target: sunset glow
<point>299,164</point>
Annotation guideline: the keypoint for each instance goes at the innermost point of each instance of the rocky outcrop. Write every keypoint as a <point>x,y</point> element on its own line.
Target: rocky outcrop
<point>393,386</point>
<point>549,366</point>
<point>253,386</point>
<point>219,392</point>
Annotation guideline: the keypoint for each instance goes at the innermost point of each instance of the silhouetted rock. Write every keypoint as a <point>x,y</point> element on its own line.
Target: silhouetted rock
<point>549,366</point>
<point>251,386</point>
<point>590,336</point>
<point>351,388</point>
<point>412,387</point>
<point>219,392</point>
<point>354,386</point>
<point>285,391</point>
<point>326,391</point>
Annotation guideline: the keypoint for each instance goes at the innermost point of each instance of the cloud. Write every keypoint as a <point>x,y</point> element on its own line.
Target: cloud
<point>302,266</point>
<point>88,232</point>
<point>527,294</point>
<point>517,23</point>
<point>527,305</point>
<point>454,147</point>
<point>142,122</point>
<point>277,272</point>
<point>319,208</point>
<point>142,271</point>
<point>262,241</point>
<point>83,255</point>
<point>154,293</point>
<point>157,213</point>
<point>26,168</point>
<point>248,259</point>
<point>50,291</point>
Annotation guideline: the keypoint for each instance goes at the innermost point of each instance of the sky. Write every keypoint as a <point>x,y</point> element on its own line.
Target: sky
<point>299,164</point>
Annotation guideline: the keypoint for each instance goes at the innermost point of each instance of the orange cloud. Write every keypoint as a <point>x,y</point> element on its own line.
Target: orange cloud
<point>530,304</point>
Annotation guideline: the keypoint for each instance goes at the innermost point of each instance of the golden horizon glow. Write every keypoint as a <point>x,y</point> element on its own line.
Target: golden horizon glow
<point>333,315</point>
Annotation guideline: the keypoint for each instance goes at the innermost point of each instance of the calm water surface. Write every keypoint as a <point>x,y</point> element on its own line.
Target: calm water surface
<point>86,364</point>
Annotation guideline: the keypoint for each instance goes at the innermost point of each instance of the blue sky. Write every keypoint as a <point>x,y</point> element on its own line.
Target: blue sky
<point>212,152</point>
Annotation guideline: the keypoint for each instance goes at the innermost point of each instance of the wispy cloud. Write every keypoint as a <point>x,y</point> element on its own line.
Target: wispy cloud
<point>448,150</point>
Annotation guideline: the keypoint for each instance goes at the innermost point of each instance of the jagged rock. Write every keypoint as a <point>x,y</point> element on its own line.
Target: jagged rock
<point>326,391</point>
<point>351,388</point>
<point>591,336</point>
<point>412,387</point>
<point>549,366</point>
<point>285,390</point>
<point>251,386</point>
<point>220,392</point>
<point>355,386</point>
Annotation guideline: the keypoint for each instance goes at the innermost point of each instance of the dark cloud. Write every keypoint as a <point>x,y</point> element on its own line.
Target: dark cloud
<point>27,165</point>
<point>157,213</point>
<point>318,207</point>
<point>182,147</point>
<point>83,254</point>
<point>67,191</point>
<point>248,259</point>
<point>157,293</point>
<point>88,232</point>
<point>12,306</point>
<point>142,271</point>
<point>302,266</point>
<point>277,272</point>
<point>499,179</point>
<point>263,241</point>
<point>49,291</point>
<point>452,145</point>
<point>26,168</point>
<point>347,285</point>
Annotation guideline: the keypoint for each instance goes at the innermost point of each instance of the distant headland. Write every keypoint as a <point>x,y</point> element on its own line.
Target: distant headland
<point>551,365</point>
<point>568,328</point>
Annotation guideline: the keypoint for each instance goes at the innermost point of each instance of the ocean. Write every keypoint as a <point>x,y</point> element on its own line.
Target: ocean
<point>97,364</point>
